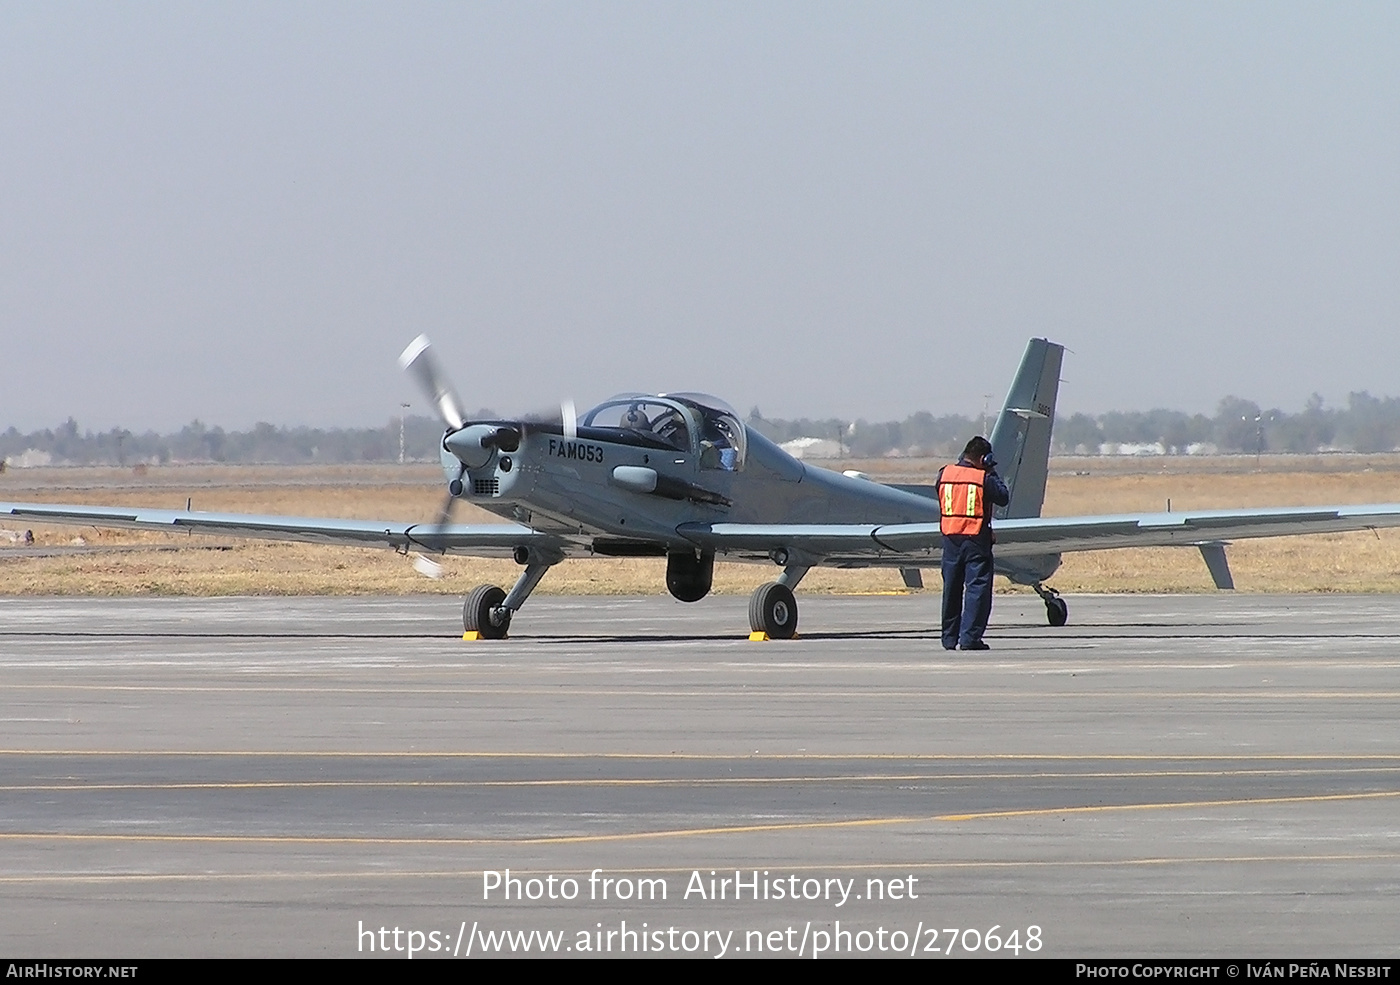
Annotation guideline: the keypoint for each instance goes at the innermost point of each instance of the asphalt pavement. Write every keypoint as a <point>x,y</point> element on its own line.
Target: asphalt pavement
<point>1165,776</point>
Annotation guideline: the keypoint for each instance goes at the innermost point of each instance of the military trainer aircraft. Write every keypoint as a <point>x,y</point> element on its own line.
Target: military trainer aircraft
<point>678,475</point>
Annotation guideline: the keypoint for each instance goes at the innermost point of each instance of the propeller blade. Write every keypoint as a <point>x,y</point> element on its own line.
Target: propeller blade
<point>445,514</point>
<point>426,566</point>
<point>419,362</point>
<point>569,415</point>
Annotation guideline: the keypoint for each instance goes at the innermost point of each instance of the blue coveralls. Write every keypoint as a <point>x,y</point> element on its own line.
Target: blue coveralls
<point>967,572</point>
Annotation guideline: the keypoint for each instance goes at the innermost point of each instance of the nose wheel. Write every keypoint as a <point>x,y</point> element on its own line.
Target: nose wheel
<point>483,613</point>
<point>487,611</point>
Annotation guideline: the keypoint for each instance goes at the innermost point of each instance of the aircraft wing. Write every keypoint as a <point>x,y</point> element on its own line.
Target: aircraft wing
<point>906,543</point>
<point>831,544</point>
<point>480,540</point>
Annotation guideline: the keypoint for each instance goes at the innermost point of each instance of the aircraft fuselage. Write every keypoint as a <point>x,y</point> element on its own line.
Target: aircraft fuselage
<point>571,486</point>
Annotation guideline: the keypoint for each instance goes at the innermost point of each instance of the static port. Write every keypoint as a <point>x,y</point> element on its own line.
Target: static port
<point>506,463</point>
<point>455,487</point>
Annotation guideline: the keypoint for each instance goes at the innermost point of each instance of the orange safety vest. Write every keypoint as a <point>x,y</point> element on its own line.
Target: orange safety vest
<point>962,500</point>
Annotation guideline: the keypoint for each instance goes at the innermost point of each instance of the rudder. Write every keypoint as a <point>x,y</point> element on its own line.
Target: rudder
<point>1021,437</point>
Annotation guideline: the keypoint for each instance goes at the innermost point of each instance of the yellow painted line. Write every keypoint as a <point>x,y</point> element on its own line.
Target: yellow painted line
<point>1314,798</point>
<point>675,781</point>
<point>538,840</point>
<point>576,839</point>
<point>390,754</point>
<point>905,866</point>
<point>942,690</point>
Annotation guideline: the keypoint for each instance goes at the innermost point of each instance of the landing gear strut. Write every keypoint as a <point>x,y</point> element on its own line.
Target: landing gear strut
<point>488,609</point>
<point>1056,610</point>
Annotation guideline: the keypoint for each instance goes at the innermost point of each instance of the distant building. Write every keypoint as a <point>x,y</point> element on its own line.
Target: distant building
<point>30,458</point>
<point>813,448</point>
<point>1132,448</point>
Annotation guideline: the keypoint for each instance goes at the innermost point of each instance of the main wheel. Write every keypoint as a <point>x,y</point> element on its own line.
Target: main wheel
<point>773,610</point>
<point>1056,611</point>
<point>476,612</point>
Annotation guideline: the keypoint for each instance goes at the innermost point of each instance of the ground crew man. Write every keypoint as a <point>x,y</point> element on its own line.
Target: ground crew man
<point>967,491</point>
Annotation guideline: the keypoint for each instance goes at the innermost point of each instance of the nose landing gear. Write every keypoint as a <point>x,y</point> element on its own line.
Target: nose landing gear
<point>482,613</point>
<point>487,611</point>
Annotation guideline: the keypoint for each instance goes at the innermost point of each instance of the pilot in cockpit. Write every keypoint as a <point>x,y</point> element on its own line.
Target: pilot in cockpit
<point>635,419</point>
<point>717,448</point>
<point>670,427</point>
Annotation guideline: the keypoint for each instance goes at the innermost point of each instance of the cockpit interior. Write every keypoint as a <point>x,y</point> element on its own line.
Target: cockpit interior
<point>693,423</point>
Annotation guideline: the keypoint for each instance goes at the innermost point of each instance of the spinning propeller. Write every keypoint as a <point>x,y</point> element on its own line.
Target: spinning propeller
<point>471,444</point>
<point>420,362</point>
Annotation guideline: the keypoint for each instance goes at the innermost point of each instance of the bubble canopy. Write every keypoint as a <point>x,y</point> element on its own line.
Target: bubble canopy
<point>704,401</point>
<point>698,423</point>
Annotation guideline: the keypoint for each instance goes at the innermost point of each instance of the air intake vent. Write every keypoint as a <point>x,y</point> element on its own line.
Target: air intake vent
<point>486,487</point>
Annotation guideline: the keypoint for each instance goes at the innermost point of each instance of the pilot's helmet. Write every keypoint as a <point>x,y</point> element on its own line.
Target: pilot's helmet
<point>636,419</point>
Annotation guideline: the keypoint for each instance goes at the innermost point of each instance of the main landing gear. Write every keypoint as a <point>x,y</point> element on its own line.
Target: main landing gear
<point>773,607</point>
<point>1056,610</point>
<point>487,611</point>
<point>773,611</point>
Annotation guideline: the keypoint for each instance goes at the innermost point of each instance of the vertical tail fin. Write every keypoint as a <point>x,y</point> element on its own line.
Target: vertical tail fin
<point>1021,437</point>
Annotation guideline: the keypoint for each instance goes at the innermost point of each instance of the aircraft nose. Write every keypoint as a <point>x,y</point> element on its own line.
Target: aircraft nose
<point>474,444</point>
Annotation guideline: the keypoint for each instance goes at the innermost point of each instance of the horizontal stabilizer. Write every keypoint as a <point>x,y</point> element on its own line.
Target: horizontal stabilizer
<point>929,492</point>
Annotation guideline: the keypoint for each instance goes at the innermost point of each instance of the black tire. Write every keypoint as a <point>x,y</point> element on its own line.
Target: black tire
<point>476,612</point>
<point>1056,611</point>
<point>773,610</point>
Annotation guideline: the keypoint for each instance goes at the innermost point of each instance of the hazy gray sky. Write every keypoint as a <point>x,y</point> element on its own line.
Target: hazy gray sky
<point>243,212</point>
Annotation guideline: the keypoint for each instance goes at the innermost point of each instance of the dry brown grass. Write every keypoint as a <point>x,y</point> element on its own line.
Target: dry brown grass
<point>164,564</point>
<point>1355,562</point>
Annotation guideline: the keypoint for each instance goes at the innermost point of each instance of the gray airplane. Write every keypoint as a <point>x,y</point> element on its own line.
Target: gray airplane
<point>679,476</point>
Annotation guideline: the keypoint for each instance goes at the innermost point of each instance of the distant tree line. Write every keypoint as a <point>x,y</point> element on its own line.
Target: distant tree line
<point>918,435</point>
<point>1366,424</point>
<point>68,444</point>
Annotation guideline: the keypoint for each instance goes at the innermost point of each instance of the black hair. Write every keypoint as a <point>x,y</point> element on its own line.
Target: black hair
<point>978,447</point>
